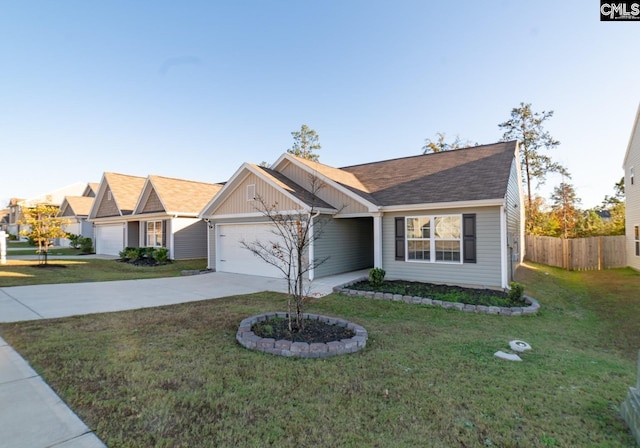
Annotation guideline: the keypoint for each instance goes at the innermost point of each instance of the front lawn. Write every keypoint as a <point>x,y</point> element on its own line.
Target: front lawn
<point>175,376</point>
<point>82,269</point>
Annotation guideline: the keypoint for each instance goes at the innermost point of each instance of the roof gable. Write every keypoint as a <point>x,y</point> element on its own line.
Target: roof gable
<point>635,134</point>
<point>121,190</point>
<point>293,192</point>
<point>76,206</point>
<point>175,196</point>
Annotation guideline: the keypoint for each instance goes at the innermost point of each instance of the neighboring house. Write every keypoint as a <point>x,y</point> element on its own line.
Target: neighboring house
<point>53,198</point>
<point>111,211</point>
<point>15,215</point>
<point>4,219</point>
<point>449,217</point>
<point>76,210</point>
<point>156,211</point>
<point>167,211</point>
<point>632,195</point>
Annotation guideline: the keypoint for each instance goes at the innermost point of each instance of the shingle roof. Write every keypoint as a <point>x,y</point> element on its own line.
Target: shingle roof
<point>294,189</point>
<point>125,189</point>
<point>186,196</point>
<point>80,205</point>
<point>476,173</point>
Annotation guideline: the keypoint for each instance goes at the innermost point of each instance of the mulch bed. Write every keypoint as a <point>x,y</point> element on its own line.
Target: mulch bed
<point>313,331</point>
<point>449,293</point>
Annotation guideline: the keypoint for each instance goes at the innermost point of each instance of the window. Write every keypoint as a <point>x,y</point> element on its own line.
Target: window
<point>251,192</point>
<point>434,239</point>
<point>631,174</point>
<point>636,236</point>
<point>154,233</point>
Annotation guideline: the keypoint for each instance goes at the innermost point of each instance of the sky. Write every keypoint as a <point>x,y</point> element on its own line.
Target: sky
<point>193,89</point>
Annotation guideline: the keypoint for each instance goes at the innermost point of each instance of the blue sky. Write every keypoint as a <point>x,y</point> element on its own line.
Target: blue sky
<point>193,89</point>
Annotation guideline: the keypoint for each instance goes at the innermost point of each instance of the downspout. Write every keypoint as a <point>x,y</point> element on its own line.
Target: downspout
<point>311,246</point>
<point>503,248</point>
<point>209,227</point>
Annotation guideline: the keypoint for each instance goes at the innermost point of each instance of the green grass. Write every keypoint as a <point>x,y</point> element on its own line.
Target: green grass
<point>175,376</point>
<point>27,272</point>
<point>52,251</point>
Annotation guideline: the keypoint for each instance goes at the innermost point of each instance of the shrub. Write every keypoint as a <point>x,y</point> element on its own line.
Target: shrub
<point>74,240</point>
<point>129,254</point>
<point>161,254</point>
<point>515,291</point>
<point>376,276</point>
<point>86,245</point>
<point>13,237</point>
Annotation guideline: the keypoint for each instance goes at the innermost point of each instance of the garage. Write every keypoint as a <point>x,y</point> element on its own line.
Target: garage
<point>109,239</point>
<point>233,257</point>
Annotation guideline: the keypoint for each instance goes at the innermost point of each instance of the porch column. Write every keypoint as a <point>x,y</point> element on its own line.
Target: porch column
<point>377,240</point>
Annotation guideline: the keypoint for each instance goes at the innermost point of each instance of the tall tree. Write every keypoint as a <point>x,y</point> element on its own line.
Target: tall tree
<point>43,226</point>
<point>564,206</point>
<point>527,127</point>
<point>305,142</point>
<point>440,144</point>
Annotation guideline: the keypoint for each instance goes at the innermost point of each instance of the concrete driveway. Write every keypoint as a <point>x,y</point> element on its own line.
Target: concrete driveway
<point>19,303</point>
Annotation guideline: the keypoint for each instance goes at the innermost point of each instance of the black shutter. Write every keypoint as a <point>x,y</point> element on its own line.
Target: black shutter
<point>469,238</point>
<point>400,238</point>
<point>164,232</point>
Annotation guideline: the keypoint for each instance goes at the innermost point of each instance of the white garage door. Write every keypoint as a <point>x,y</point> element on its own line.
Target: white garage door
<point>232,256</point>
<point>109,239</point>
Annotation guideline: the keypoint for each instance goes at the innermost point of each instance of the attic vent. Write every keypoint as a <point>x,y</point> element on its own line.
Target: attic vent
<point>251,192</point>
<point>109,195</point>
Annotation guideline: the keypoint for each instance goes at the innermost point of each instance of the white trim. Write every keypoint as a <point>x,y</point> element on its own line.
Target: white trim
<point>311,272</point>
<point>230,187</point>
<point>636,123</point>
<point>209,242</point>
<point>377,240</point>
<point>432,240</point>
<point>355,215</point>
<point>444,205</point>
<point>504,251</point>
<point>286,156</point>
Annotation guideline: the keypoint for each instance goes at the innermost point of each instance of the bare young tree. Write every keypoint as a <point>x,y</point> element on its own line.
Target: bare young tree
<point>293,234</point>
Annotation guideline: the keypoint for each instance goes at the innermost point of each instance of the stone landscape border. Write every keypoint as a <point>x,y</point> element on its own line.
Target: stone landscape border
<point>533,307</point>
<point>248,339</point>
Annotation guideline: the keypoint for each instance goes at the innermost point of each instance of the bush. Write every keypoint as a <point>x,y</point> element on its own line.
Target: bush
<point>86,245</point>
<point>74,240</point>
<point>376,276</point>
<point>129,254</point>
<point>515,291</point>
<point>161,254</point>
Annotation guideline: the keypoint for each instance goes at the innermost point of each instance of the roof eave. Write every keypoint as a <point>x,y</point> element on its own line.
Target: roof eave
<point>444,205</point>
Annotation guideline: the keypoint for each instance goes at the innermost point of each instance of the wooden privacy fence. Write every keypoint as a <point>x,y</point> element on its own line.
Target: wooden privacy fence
<point>580,254</point>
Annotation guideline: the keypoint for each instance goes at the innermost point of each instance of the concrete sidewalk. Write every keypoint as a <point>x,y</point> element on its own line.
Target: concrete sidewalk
<point>31,414</point>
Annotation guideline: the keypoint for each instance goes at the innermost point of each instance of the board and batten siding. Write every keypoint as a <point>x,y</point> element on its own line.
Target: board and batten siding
<point>189,238</point>
<point>485,273</point>
<point>348,244</point>
<point>328,194</point>
<point>237,201</point>
<point>632,197</point>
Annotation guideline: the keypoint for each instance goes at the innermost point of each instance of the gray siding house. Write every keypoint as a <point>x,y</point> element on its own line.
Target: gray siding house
<point>632,196</point>
<point>453,217</point>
